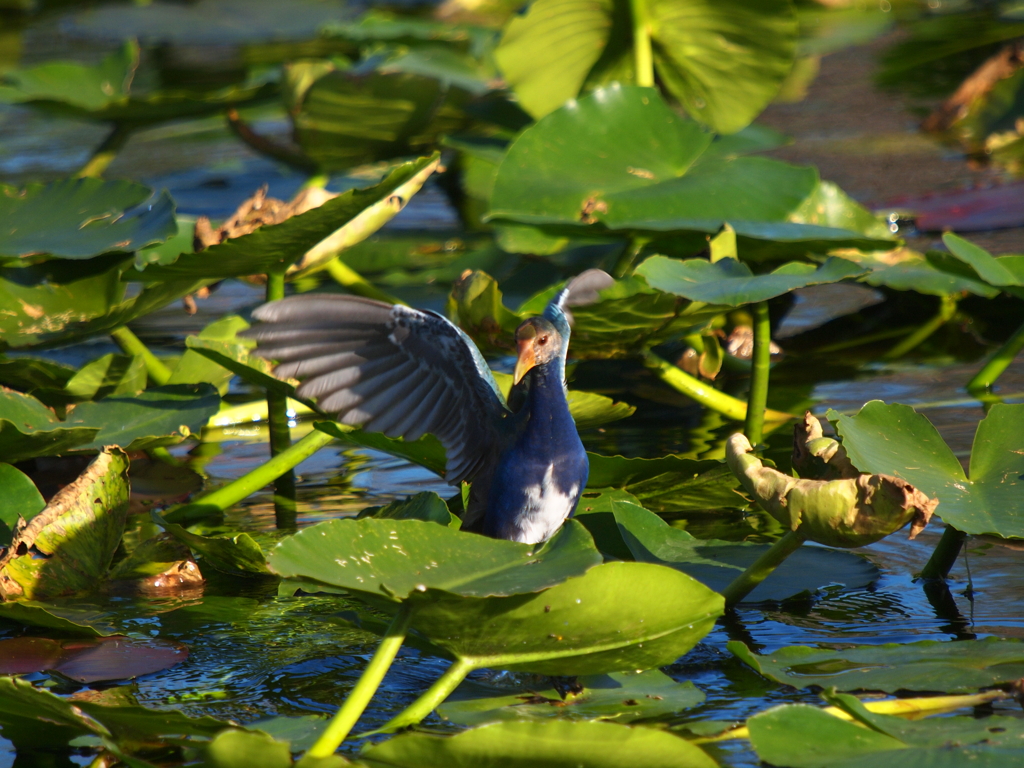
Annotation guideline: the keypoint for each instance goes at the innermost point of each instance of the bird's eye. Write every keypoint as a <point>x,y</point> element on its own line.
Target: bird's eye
<point>542,340</point>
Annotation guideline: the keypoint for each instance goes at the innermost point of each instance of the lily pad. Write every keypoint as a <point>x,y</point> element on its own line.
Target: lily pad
<point>78,533</point>
<point>195,367</point>
<point>423,506</point>
<point>81,218</point>
<point>22,500</point>
<point>29,429</point>
<point>159,416</point>
<point>954,667</point>
<point>234,356</point>
<point>528,744</point>
<point>620,696</point>
<point>894,439</point>
<point>277,247</point>
<point>28,373</point>
<point>732,283</point>
<point>396,560</point>
<point>89,661</point>
<point>108,375</point>
<point>238,554</point>
<point>802,736</point>
<point>69,620</point>
<point>668,484</point>
<point>724,61</point>
<point>932,273</point>
<point>588,409</point>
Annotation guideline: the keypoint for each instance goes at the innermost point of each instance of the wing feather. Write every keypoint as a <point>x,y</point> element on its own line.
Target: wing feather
<point>388,368</point>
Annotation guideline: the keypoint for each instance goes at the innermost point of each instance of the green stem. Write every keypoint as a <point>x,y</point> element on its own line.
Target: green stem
<point>707,396</point>
<point>998,363</point>
<point>628,257</point>
<point>869,338</point>
<point>235,491</point>
<point>644,57</point>
<point>947,308</point>
<point>945,554</point>
<point>357,701</point>
<point>158,373</point>
<point>317,181</point>
<point>344,275</point>
<point>431,699</point>
<point>280,433</point>
<point>106,152</point>
<point>760,363</point>
<point>761,568</point>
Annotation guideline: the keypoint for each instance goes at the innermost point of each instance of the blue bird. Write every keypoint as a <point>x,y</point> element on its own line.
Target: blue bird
<point>407,372</point>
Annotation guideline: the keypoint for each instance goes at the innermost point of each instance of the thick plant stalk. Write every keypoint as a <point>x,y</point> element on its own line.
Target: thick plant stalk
<point>431,699</point>
<point>249,483</point>
<point>628,258</point>
<point>131,344</point>
<point>945,554</point>
<point>998,363</point>
<point>280,433</point>
<point>345,276</point>
<point>644,57</point>
<point>946,311</point>
<point>359,698</point>
<point>762,568</point>
<point>707,396</point>
<point>106,152</point>
<point>760,363</point>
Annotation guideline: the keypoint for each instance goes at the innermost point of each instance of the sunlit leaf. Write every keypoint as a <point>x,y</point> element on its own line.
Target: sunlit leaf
<point>238,554</point>
<point>895,439</point>
<point>108,375</point>
<point>669,483</point>
<point>423,506</point>
<point>29,429</point>
<point>21,500</point>
<point>69,620</point>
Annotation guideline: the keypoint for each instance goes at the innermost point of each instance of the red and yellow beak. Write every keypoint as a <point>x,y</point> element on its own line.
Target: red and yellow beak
<point>527,357</point>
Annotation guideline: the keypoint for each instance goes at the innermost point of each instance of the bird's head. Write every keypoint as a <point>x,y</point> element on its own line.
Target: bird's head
<point>538,342</point>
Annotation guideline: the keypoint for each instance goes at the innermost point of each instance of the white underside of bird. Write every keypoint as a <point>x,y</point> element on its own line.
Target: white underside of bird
<point>547,507</point>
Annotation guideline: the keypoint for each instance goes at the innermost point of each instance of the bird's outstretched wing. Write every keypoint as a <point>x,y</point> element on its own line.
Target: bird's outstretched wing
<point>580,291</point>
<point>387,368</point>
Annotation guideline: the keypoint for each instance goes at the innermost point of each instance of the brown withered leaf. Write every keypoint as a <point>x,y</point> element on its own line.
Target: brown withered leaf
<point>258,211</point>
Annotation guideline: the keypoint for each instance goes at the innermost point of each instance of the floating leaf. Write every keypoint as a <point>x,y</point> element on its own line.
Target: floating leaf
<point>77,532</point>
<point>1001,272</point>
<point>396,560</point>
<point>896,440</point>
<point>89,661</point>
<point>529,744</point>
<point>423,506</point>
<point>159,416</point>
<point>29,429</point>
<point>932,273</point>
<point>195,367</point>
<point>668,484</point>
<point>235,357</point>
<point>108,375</point>
<point>243,749</point>
<point>620,696</point>
<point>588,409</point>
<point>732,283</point>
<point>69,620</point>
<point>276,247</point>
<point>159,565</point>
<point>724,61</point>
<point>81,218</point>
<point>801,736</point>
<point>22,500</point>
<point>28,373</point>
<point>929,665</point>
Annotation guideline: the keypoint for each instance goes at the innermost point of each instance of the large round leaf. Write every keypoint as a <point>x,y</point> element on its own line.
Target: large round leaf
<point>395,560</point>
<point>622,157</point>
<point>724,61</point>
<point>540,745</point>
<point>929,665</point>
<point>895,440</point>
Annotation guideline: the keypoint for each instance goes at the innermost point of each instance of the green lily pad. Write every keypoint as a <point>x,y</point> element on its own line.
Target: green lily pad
<point>81,218</point>
<point>194,367</point>
<point>27,373</point>
<point>159,416</point>
<point>423,506</point>
<point>78,533</point>
<point>396,560</point>
<point>801,736</point>
<point>724,61</point>
<point>1006,272</point>
<point>22,500</point>
<point>668,484</point>
<point>244,749</point>
<point>588,409</point>
<point>29,429</point>
<point>234,356</point>
<point>427,451</point>
<point>621,156</point>
<point>238,554</point>
<point>620,696</point>
<point>929,665</point>
<point>69,620</point>
<point>933,273</point>
<point>275,247</point>
<point>732,283</point>
<point>895,440</point>
<point>108,375</point>
<point>592,744</point>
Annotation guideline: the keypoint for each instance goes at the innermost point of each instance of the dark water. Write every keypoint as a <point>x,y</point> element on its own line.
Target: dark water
<point>255,655</point>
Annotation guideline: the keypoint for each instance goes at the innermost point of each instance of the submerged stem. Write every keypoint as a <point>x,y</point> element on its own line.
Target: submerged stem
<point>761,568</point>
<point>432,698</point>
<point>644,57</point>
<point>105,153</point>
<point>760,363</point>
<point>998,363</point>
<point>131,344</point>
<point>947,308</point>
<point>945,554</point>
<point>358,699</point>
<point>235,491</point>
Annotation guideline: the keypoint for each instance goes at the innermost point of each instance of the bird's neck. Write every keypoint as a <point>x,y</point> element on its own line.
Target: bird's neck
<point>547,394</point>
